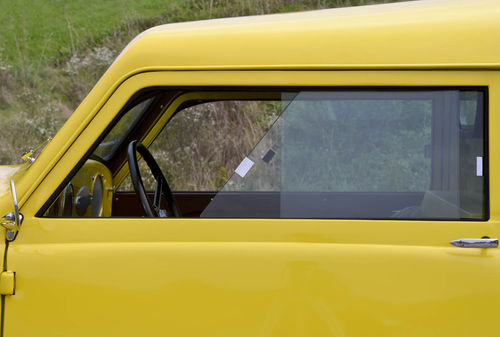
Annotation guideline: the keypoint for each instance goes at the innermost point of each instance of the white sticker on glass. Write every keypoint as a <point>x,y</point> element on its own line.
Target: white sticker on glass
<point>245,166</point>
<point>479,166</point>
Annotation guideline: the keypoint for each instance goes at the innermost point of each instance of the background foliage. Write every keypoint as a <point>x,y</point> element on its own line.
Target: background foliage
<point>53,51</point>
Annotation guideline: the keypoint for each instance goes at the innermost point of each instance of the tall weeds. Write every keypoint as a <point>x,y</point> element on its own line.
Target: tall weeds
<point>202,145</point>
<point>37,96</point>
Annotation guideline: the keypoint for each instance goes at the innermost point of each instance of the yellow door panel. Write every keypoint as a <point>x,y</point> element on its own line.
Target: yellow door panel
<point>202,277</point>
<point>226,277</point>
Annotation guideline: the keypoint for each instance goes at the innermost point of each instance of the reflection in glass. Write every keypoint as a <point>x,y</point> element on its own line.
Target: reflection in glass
<point>375,155</point>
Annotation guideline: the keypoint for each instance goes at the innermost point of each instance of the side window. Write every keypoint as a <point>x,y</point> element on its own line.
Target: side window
<point>201,146</point>
<point>366,155</point>
<point>329,154</point>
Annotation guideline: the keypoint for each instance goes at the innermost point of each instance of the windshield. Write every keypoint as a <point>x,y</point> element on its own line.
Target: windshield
<point>122,128</point>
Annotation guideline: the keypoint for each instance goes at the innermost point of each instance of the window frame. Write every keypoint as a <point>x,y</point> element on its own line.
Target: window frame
<point>162,118</point>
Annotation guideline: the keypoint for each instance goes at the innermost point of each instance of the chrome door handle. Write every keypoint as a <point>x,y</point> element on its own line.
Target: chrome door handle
<point>475,243</point>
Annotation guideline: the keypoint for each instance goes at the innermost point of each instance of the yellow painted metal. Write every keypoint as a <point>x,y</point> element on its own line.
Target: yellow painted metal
<point>408,35</point>
<point>279,277</point>
<point>156,277</point>
<point>7,282</point>
<point>8,173</point>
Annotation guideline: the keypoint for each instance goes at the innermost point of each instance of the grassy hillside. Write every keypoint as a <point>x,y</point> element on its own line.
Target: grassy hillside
<point>33,32</point>
<point>53,51</point>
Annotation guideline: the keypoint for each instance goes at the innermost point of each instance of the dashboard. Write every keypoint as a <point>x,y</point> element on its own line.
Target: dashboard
<point>88,194</point>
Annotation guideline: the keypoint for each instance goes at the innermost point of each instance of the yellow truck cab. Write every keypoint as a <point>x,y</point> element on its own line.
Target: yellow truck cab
<point>329,173</point>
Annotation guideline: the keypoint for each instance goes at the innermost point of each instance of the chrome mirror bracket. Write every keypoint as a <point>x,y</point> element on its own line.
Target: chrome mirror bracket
<point>13,220</point>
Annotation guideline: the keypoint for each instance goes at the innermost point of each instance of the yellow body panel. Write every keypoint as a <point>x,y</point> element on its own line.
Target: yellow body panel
<point>266,277</point>
<point>252,289</point>
<point>7,282</point>
<point>279,277</point>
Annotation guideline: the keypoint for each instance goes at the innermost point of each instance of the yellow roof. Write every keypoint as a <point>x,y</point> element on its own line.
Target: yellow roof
<point>417,34</point>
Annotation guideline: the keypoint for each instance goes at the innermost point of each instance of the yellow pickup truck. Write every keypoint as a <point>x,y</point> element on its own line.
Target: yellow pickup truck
<point>329,173</point>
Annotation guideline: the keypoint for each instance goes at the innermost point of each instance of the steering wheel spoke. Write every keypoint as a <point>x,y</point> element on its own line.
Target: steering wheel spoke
<point>151,210</point>
<point>157,196</point>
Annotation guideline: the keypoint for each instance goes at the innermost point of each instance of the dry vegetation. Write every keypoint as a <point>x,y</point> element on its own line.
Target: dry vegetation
<point>207,142</point>
<point>38,95</point>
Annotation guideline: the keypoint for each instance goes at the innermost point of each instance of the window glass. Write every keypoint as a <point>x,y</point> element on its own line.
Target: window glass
<point>330,154</point>
<point>375,155</point>
<point>113,140</point>
<point>468,108</point>
<point>201,146</point>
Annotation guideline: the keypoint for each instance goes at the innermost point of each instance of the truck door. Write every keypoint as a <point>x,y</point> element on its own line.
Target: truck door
<point>335,221</point>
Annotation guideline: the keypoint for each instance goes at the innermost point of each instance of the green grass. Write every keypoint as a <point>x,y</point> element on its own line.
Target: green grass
<point>52,52</point>
<point>33,32</point>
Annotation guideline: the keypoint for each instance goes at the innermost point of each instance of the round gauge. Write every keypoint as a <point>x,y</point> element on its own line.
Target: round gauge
<point>97,192</point>
<point>67,201</point>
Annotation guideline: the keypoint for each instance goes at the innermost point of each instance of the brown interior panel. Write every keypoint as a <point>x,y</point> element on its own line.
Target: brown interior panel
<point>190,203</point>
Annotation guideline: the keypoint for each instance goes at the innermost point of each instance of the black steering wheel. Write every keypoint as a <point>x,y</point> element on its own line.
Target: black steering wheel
<point>151,210</point>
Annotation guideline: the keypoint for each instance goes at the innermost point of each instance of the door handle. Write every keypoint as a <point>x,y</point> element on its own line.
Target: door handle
<point>485,242</point>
